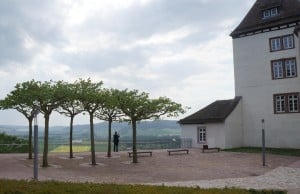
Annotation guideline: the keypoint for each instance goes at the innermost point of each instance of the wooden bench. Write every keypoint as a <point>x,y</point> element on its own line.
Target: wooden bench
<point>205,147</point>
<point>140,152</point>
<point>179,150</point>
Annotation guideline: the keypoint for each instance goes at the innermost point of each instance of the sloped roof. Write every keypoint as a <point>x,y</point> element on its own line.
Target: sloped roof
<point>289,11</point>
<point>216,112</point>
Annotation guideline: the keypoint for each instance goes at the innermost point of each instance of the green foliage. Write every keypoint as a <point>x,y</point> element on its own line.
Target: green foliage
<point>91,97</point>
<point>22,99</point>
<point>12,144</point>
<point>71,105</point>
<point>31,187</point>
<point>278,151</point>
<point>137,106</point>
<point>110,110</point>
<point>85,95</point>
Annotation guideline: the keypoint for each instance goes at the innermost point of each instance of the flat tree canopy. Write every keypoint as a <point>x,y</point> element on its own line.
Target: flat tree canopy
<point>86,96</point>
<point>138,106</point>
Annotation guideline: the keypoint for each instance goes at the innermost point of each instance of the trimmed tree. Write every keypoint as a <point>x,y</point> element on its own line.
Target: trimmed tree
<point>110,112</point>
<point>70,107</point>
<point>48,97</point>
<point>91,98</point>
<point>138,106</point>
<point>21,100</point>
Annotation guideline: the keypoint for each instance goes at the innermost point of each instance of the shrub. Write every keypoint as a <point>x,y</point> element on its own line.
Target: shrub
<point>12,144</point>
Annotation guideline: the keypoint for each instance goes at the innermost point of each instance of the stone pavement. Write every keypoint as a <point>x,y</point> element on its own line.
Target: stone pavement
<point>283,178</point>
<point>217,169</point>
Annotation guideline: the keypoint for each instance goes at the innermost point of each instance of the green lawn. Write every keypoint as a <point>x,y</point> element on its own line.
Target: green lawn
<point>76,148</point>
<point>279,151</point>
<point>99,147</point>
<point>31,187</point>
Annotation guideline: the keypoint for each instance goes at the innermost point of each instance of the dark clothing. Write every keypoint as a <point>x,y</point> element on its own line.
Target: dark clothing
<point>116,142</point>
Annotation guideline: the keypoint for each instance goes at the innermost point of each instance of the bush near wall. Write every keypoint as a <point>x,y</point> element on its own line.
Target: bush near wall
<point>52,187</point>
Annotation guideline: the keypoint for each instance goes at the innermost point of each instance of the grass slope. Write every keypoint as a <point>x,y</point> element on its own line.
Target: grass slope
<point>31,187</point>
<point>278,151</point>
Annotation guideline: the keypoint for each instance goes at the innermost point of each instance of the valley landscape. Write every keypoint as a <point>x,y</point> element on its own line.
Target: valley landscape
<point>150,135</point>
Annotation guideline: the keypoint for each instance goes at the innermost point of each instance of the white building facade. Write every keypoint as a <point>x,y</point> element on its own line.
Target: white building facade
<point>266,68</point>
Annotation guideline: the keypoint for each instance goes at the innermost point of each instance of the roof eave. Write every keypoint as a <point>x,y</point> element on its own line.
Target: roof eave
<point>263,26</point>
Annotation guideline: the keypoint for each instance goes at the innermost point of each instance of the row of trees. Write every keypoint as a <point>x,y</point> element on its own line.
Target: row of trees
<point>71,99</point>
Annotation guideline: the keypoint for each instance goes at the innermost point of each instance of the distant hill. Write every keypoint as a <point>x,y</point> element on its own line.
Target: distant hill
<point>156,128</point>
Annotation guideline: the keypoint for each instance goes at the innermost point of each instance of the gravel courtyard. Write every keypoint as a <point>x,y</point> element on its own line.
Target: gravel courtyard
<point>156,169</point>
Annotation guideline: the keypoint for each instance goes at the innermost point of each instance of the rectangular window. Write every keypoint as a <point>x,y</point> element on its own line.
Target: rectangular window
<point>282,43</point>
<point>288,42</point>
<point>274,11</point>
<point>277,69</point>
<point>284,68</point>
<point>280,103</point>
<point>266,13</point>
<point>293,103</point>
<point>275,44</point>
<point>290,67</point>
<point>286,103</point>
<point>201,134</point>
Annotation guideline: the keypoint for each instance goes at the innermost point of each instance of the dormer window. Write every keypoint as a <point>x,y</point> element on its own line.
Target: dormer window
<point>270,13</point>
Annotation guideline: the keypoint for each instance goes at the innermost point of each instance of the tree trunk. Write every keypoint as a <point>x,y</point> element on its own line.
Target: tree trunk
<point>135,160</point>
<point>71,137</point>
<point>45,153</point>
<point>30,138</point>
<point>109,138</point>
<point>92,140</point>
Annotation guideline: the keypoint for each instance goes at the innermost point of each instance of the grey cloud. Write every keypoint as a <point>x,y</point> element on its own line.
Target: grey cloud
<point>11,46</point>
<point>101,60</point>
<point>161,16</point>
<point>34,19</point>
<point>43,21</point>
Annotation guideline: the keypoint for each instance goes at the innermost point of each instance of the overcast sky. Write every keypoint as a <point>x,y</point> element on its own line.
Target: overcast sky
<point>175,48</point>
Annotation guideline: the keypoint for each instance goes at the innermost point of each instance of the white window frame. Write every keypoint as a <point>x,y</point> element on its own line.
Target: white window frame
<point>293,103</point>
<point>286,103</point>
<point>288,42</point>
<point>270,12</point>
<point>274,11</point>
<point>290,68</point>
<point>277,69</point>
<point>276,44</point>
<point>266,13</point>
<point>284,68</point>
<point>280,103</point>
<point>201,134</point>
<point>282,43</point>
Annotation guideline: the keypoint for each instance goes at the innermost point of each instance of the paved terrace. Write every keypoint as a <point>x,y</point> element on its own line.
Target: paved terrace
<point>217,169</point>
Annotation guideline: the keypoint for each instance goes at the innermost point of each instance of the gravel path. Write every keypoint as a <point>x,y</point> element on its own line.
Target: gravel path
<point>285,178</point>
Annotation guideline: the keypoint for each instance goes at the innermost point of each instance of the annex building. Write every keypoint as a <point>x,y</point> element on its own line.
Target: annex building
<point>267,84</point>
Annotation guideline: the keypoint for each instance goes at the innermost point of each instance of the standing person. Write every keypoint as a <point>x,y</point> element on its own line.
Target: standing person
<point>116,141</point>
